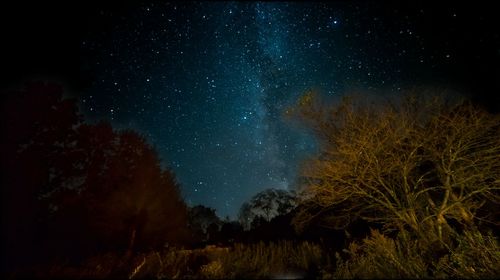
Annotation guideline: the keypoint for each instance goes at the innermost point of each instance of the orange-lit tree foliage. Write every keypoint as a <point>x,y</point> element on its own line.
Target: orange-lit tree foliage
<point>420,164</point>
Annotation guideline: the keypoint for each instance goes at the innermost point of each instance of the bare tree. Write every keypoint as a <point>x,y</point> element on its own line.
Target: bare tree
<point>416,164</point>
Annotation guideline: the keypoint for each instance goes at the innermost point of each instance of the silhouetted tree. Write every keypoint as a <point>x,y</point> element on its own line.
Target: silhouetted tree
<point>230,232</point>
<point>266,204</point>
<point>74,188</point>
<point>200,218</point>
<point>37,129</point>
<point>125,198</point>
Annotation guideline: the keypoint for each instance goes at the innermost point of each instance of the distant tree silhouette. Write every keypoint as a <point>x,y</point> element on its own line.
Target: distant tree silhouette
<point>200,219</point>
<point>266,204</point>
<point>230,232</point>
<point>75,188</point>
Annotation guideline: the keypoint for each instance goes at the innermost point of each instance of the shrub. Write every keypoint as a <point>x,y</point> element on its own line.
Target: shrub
<point>473,256</point>
<point>476,256</point>
<point>378,256</point>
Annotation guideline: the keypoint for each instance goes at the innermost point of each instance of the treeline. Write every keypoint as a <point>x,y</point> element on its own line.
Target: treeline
<point>401,188</point>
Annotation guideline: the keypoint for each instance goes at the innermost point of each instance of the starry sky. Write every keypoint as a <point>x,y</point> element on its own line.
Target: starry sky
<point>207,83</point>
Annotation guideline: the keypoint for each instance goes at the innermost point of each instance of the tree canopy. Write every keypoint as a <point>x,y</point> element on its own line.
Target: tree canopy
<point>421,163</point>
<point>69,187</point>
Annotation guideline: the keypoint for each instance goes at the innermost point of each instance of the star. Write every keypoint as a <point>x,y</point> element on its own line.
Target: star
<point>208,83</point>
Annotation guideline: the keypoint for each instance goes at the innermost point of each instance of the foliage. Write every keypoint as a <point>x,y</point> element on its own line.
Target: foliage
<point>203,222</point>
<point>267,260</point>
<point>260,260</point>
<point>422,163</point>
<point>36,125</point>
<point>378,256</point>
<point>266,205</point>
<point>213,270</point>
<point>476,256</point>
<point>71,189</point>
<point>125,199</point>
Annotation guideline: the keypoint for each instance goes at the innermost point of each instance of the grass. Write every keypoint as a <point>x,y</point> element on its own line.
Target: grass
<point>472,255</point>
<point>260,260</point>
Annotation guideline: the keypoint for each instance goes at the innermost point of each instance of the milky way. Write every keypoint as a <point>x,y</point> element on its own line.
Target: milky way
<point>207,83</point>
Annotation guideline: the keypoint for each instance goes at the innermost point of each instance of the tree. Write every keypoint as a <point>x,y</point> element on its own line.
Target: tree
<point>266,205</point>
<point>421,163</point>
<point>200,218</point>
<point>37,131</point>
<point>75,188</point>
<point>124,199</point>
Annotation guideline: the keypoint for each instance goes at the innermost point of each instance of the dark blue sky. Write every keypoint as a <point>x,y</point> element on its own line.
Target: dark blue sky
<point>207,83</point>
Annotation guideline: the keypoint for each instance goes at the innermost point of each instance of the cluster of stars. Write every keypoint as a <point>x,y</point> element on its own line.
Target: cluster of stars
<point>210,81</point>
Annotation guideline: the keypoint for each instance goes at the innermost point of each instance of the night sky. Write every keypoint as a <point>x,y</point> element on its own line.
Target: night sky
<point>207,82</point>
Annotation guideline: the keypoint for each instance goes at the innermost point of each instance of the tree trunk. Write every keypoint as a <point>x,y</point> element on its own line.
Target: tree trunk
<point>131,243</point>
